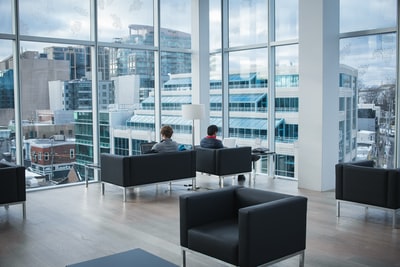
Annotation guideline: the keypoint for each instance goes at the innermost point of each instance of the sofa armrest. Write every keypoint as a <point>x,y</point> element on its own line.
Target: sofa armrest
<point>339,173</point>
<point>12,184</point>
<point>339,181</point>
<point>394,189</point>
<point>283,230</point>
<point>205,207</point>
<point>115,169</point>
<point>233,160</point>
<point>205,160</point>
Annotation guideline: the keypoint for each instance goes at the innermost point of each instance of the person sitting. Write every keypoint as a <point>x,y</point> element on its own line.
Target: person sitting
<point>166,144</point>
<point>211,141</point>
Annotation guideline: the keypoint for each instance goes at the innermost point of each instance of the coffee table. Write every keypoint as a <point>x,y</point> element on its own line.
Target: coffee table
<point>131,258</point>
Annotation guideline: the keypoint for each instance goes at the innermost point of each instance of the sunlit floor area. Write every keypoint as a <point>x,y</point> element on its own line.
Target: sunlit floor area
<point>74,224</point>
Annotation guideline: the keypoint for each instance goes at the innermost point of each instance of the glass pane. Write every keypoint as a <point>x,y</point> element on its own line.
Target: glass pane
<point>216,91</point>
<point>357,15</point>
<point>215,25</point>
<point>176,91</point>
<point>373,58</point>
<point>5,52</point>
<point>248,76</point>
<point>5,17</point>
<point>286,93</point>
<point>7,112</point>
<point>248,22</point>
<point>286,19</point>
<point>286,106</point>
<point>175,29</point>
<point>132,114</point>
<point>128,22</point>
<point>58,77</point>
<point>59,19</point>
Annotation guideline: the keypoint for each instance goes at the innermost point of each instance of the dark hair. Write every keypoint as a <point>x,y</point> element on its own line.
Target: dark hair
<point>166,131</point>
<point>212,129</point>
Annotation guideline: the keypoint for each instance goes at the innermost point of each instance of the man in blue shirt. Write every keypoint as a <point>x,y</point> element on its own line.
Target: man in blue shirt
<point>211,141</point>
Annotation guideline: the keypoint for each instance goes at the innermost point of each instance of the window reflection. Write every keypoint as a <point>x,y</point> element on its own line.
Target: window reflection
<point>248,22</point>
<point>177,27</point>
<point>117,16</point>
<point>286,19</point>
<point>248,87</point>
<point>374,59</point>
<point>61,19</point>
<point>371,14</point>
<point>5,17</point>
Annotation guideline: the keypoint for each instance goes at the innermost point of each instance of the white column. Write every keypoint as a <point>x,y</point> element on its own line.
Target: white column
<point>319,93</point>
<point>200,64</point>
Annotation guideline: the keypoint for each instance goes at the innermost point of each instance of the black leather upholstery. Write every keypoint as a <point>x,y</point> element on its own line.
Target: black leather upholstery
<point>243,226</point>
<point>12,185</point>
<point>224,161</point>
<point>128,171</point>
<point>360,182</point>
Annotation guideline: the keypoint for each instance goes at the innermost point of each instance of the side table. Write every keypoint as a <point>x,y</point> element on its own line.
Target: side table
<point>270,155</point>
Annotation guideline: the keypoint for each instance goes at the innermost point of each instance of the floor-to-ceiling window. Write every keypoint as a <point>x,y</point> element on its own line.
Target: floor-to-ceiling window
<point>257,41</point>
<point>368,44</point>
<point>91,82</point>
<point>284,42</point>
<point>141,75</point>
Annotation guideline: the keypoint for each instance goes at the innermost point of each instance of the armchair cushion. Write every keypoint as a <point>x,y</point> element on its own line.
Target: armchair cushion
<point>217,239</point>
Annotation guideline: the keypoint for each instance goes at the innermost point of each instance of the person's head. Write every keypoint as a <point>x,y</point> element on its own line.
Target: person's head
<point>166,131</point>
<point>212,130</point>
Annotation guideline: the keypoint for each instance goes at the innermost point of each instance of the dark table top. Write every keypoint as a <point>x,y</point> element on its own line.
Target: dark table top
<point>131,258</point>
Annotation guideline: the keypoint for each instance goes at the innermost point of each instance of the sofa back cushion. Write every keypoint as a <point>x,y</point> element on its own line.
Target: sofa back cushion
<point>249,197</point>
<point>206,160</point>
<point>233,160</point>
<point>158,167</point>
<point>339,174</point>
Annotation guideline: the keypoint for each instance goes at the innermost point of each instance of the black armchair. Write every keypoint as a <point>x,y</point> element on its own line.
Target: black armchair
<point>363,184</point>
<point>243,226</point>
<point>12,186</point>
<point>224,161</point>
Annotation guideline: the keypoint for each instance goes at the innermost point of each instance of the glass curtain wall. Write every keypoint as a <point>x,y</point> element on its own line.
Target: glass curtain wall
<point>368,46</point>
<point>134,59</point>
<point>91,82</point>
<point>257,41</point>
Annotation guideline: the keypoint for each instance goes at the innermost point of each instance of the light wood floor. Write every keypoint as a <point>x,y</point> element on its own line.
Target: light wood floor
<point>73,224</point>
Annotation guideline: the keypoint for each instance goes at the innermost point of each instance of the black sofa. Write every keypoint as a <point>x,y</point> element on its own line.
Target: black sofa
<point>12,186</point>
<point>243,226</point>
<point>131,171</point>
<point>363,184</point>
<point>224,161</point>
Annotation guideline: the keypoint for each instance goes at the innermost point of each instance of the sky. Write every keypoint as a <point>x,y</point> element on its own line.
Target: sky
<point>70,19</point>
